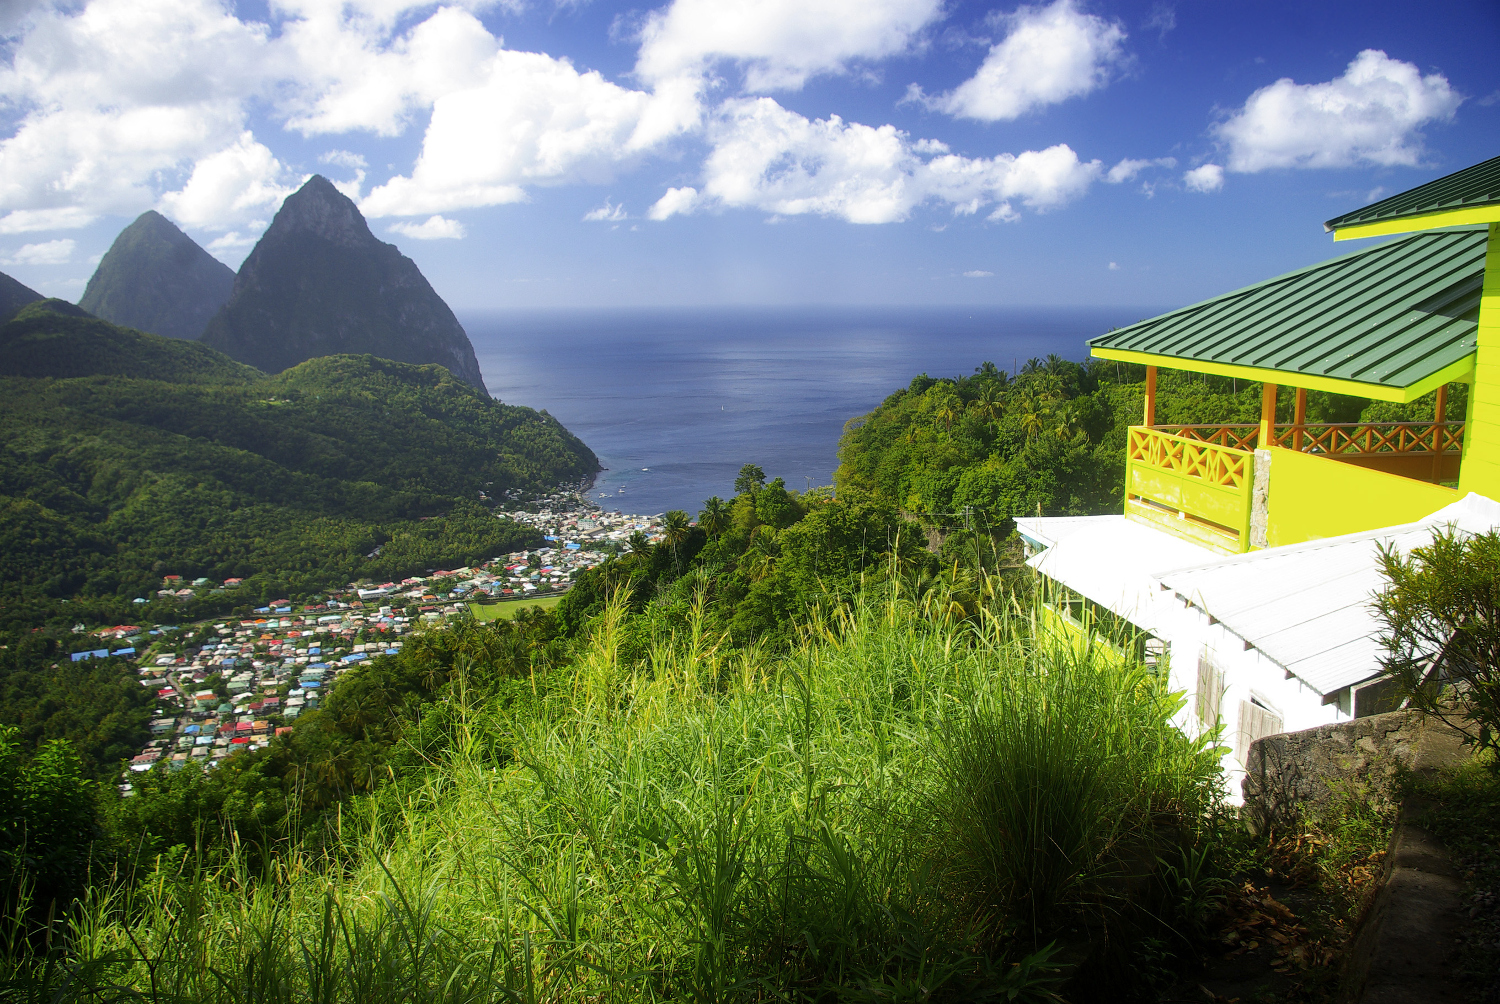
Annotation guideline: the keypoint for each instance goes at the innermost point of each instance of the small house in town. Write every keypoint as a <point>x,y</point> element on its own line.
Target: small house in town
<point>1246,556</point>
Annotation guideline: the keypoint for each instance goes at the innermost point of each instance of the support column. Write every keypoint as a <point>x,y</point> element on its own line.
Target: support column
<point>1150,416</point>
<point>1299,419</point>
<point>1439,421</point>
<point>1267,415</point>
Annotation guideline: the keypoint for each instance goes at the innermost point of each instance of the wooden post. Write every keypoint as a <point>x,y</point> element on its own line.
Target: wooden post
<point>1267,415</point>
<point>1150,416</point>
<point>1439,430</point>
<point>1299,419</point>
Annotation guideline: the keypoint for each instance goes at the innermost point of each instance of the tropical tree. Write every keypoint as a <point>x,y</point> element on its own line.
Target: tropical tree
<point>949,408</point>
<point>675,530</point>
<point>638,542</point>
<point>751,479</point>
<point>714,517</point>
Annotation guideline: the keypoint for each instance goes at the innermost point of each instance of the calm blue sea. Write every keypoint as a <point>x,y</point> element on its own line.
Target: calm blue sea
<point>675,401</point>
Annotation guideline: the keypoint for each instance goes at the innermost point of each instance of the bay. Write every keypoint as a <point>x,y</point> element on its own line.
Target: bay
<point>674,401</point>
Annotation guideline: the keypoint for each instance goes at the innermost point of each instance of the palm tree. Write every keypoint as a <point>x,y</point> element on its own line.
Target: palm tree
<point>949,408</point>
<point>675,530</point>
<point>714,517</point>
<point>761,557</point>
<point>639,543</point>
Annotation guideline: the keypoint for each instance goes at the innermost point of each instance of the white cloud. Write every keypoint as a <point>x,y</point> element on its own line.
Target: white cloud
<point>677,200</point>
<point>1127,169</point>
<point>118,95</point>
<point>232,241</point>
<point>1208,178</point>
<point>21,221</point>
<point>534,120</point>
<point>351,77</point>
<point>436,228</point>
<point>779,43</point>
<point>978,274</point>
<point>235,184</point>
<point>1371,114</point>
<point>766,157</point>
<point>57,252</point>
<point>607,213</point>
<point>1114,266</point>
<point>343,158</point>
<point>1049,54</point>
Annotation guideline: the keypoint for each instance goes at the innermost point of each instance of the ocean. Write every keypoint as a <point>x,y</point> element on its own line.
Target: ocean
<point>674,402</point>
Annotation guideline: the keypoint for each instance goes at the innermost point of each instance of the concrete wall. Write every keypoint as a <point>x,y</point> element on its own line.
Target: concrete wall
<point>1299,774</point>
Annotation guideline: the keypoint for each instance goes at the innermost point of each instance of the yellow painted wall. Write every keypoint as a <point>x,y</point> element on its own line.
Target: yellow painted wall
<point>1481,467</point>
<point>1312,497</point>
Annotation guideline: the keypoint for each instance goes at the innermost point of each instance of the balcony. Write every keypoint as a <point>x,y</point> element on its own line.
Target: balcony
<point>1200,481</point>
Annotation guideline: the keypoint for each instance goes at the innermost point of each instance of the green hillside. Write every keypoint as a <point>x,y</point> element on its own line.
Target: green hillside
<point>125,456</point>
<point>14,296</point>
<point>51,338</point>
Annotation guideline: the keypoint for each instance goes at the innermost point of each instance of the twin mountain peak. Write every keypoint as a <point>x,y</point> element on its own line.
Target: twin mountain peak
<point>318,283</point>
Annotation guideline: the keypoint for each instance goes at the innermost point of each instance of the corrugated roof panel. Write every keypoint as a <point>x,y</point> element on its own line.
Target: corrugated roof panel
<point>1369,317</point>
<point>1473,186</point>
<point>1323,629</point>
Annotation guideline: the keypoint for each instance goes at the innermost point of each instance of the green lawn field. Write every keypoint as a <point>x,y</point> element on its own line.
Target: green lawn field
<point>508,608</point>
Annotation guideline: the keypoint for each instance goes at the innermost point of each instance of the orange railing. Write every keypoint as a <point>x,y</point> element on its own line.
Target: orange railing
<point>1347,439</point>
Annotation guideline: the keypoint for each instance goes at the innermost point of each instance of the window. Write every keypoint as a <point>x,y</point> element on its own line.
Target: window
<point>1210,688</point>
<point>1256,722</point>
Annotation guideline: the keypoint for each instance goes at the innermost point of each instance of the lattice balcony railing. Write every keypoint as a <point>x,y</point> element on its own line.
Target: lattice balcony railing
<point>1204,460</point>
<point>1349,439</point>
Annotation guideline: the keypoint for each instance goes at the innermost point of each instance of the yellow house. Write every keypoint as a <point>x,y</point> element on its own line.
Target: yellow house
<point>1250,552</point>
<point>1393,322</point>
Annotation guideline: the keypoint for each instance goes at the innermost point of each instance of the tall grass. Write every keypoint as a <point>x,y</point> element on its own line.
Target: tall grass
<point>900,809</point>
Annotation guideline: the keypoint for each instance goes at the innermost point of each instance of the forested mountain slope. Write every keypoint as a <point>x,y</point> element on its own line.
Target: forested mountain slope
<point>125,455</point>
<point>156,278</point>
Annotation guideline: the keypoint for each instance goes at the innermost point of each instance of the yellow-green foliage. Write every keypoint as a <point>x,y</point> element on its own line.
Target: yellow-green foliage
<point>898,806</point>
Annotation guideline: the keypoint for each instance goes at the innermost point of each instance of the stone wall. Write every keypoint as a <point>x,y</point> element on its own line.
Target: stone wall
<point>1299,774</point>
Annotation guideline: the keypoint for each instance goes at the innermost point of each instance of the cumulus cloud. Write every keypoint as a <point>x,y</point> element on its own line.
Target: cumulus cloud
<point>766,157</point>
<point>435,228</point>
<point>779,43</point>
<point>239,182</point>
<point>118,94</point>
<point>534,120</point>
<point>607,213</point>
<point>1127,169</point>
<point>1208,178</point>
<point>676,201</point>
<point>1049,54</point>
<point>58,252</point>
<point>978,274</point>
<point>1371,114</point>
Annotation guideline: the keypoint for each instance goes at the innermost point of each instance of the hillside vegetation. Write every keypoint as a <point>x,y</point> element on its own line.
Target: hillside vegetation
<point>125,456</point>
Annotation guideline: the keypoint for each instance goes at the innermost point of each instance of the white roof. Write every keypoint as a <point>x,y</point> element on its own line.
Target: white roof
<point>1307,606</point>
<point>1111,560</point>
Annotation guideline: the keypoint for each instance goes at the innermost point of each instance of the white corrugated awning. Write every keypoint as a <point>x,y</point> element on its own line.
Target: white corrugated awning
<point>1111,560</point>
<point>1307,607</point>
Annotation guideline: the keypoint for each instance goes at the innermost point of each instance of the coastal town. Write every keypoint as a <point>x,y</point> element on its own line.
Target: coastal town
<point>229,685</point>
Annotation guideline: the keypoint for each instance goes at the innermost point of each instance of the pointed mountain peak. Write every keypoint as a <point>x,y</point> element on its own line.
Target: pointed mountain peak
<point>156,278</point>
<point>321,209</point>
<point>319,283</point>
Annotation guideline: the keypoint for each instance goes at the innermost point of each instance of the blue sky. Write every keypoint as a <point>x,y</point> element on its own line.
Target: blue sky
<point>531,153</point>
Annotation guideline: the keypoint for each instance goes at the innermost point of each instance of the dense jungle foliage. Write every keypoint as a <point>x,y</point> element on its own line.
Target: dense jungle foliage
<point>977,451</point>
<point>125,456</point>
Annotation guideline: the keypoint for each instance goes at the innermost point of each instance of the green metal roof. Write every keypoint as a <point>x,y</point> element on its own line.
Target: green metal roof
<point>1390,315</point>
<point>1467,189</point>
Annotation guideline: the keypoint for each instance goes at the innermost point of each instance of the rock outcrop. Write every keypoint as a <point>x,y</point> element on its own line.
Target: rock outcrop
<point>155,278</point>
<point>319,283</point>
